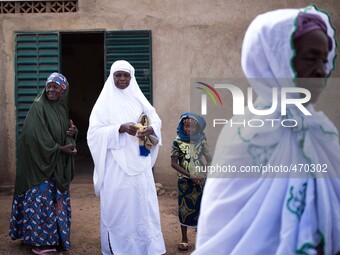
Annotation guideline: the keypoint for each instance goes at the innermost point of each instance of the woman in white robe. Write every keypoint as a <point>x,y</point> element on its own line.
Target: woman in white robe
<point>123,178</point>
<point>275,214</point>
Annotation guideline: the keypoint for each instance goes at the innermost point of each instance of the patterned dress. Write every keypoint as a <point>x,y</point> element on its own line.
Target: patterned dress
<point>42,216</point>
<point>189,194</point>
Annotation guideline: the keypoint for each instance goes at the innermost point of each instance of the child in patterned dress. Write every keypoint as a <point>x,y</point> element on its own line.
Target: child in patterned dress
<point>188,150</point>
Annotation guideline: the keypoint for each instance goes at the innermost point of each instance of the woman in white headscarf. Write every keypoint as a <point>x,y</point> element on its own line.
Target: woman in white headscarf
<point>130,221</point>
<point>277,214</point>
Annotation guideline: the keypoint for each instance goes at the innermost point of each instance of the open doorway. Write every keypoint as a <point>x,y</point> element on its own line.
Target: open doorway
<point>82,62</point>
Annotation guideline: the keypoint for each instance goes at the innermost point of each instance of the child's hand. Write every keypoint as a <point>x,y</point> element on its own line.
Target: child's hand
<point>198,181</point>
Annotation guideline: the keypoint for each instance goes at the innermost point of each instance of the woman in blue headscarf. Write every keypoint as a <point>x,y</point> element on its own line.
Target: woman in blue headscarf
<point>41,212</point>
<point>188,150</point>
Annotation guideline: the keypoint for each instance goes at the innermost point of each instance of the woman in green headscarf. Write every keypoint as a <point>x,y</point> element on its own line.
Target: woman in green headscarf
<point>41,212</point>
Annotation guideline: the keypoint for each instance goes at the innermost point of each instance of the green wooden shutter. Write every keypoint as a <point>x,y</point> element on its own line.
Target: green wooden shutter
<point>36,57</point>
<point>136,48</point>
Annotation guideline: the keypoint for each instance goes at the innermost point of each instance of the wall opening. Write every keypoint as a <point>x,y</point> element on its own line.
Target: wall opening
<point>82,62</point>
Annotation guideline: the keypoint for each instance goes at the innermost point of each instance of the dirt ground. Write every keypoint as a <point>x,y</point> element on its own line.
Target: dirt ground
<point>85,232</point>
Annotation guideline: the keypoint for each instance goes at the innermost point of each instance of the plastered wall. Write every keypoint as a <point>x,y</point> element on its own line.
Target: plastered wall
<point>191,39</point>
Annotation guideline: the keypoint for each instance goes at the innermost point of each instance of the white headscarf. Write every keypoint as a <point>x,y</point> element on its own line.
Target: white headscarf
<point>267,49</point>
<point>267,54</point>
<point>114,107</point>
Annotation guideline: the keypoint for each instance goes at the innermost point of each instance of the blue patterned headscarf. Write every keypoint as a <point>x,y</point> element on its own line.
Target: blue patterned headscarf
<point>197,137</point>
<point>59,79</point>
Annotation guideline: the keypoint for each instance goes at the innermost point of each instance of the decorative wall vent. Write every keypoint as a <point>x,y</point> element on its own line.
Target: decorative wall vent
<point>7,7</point>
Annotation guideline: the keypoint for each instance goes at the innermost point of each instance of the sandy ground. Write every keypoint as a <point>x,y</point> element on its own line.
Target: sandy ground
<point>85,226</point>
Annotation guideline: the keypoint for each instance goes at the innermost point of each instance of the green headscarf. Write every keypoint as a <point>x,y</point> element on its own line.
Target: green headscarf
<point>39,158</point>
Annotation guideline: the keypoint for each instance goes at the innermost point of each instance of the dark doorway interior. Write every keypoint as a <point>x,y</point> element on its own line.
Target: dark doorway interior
<point>82,62</point>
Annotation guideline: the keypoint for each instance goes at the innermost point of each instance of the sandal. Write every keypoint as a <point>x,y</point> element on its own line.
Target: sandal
<point>182,246</point>
<point>45,251</point>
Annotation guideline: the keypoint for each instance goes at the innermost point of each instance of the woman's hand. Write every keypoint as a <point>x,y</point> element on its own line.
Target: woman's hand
<point>147,131</point>
<point>69,149</point>
<point>72,129</point>
<point>129,128</point>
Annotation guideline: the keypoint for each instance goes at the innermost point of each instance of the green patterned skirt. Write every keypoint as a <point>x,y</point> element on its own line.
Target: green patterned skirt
<point>189,202</point>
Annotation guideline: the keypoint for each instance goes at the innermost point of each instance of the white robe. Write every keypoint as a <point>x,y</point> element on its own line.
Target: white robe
<point>130,220</point>
<point>129,209</point>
